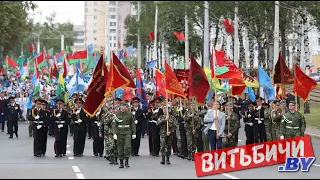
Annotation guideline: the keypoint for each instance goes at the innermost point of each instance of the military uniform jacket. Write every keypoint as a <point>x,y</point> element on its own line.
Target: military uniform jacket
<point>75,120</point>
<point>124,123</point>
<point>13,112</point>
<point>179,116</point>
<point>140,116</point>
<point>163,124</point>
<point>192,121</point>
<point>106,120</point>
<point>259,115</point>
<point>292,124</point>
<point>43,120</point>
<point>62,120</point>
<point>233,124</point>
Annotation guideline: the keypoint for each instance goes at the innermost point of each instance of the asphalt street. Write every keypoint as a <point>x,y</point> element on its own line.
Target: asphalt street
<point>17,162</point>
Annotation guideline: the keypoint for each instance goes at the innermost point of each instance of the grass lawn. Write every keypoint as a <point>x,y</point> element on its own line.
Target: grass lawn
<point>312,119</point>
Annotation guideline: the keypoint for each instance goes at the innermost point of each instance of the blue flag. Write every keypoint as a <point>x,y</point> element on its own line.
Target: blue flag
<point>131,50</point>
<point>119,93</point>
<point>263,77</point>
<point>90,48</point>
<point>269,91</point>
<point>151,64</point>
<point>251,94</point>
<point>21,69</point>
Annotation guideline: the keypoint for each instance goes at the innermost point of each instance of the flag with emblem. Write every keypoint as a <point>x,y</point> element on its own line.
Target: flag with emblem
<point>303,84</point>
<point>172,84</point>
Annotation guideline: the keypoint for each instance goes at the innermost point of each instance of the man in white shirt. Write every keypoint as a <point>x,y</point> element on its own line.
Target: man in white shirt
<point>215,128</point>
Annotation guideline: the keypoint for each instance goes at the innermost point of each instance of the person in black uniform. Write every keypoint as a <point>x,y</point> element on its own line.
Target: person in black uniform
<point>61,122</point>
<point>259,128</point>
<point>97,140</point>
<point>151,127</point>
<point>38,117</point>
<point>139,119</point>
<point>248,120</point>
<point>79,118</point>
<point>202,109</point>
<point>12,116</point>
<point>44,129</point>
<point>51,106</point>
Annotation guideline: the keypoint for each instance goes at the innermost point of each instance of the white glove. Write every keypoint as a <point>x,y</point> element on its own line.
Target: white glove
<point>136,122</point>
<point>133,113</point>
<point>78,111</point>
<point>79,121</point>
<point>115,137</point>
<point>250,124</point>
<point>134,136</point>
<point>37,117</point>
<point>58,115</point>
<point>249,115</point>
<point>259,122</point>
<point>2,113</point>
<point>60,126</point>
<point>180,109</point>
<point>155,111</point>
<point>281,137</point>
<point>98,113</point>
<point>98,124</point>
<point>259,107</point>
<point>39,126</point>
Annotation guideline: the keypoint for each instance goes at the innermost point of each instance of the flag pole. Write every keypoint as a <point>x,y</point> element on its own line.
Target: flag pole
<point>215,94</point>
<point>167,114</point>
<point>295,93</point>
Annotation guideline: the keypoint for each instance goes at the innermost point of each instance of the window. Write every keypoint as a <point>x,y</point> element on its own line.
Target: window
<point>94,39</point>
<point>95,3</point>
<point>114,44</point>
<point>110,44</point>
<point>86,9</point>
<point>94,31</point>
<point>113,31</point>
<point>79,41</point>
<point>79,33</point>
<point>112,9</point>
<point>113,23</point>
<point>110,38</point>
<point>112,16</point>
<point>113,3</point>
<point>318,41</point>
<point>94,24</point>
<point>94,17</point>
<point>95,10</point>
<point>115,38</point>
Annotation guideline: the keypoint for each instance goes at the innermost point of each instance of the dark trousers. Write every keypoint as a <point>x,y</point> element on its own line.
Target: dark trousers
<point>89,126</point>
<point>11,125</point>
<point>3,122</point>
<point>143,129</point>
<point>156,135</point>
<point>151,137</point>
<point>39,141</point>
<point>199,141</point>
<point>79,140</point>
<point>71,126</point>
<point>135,143</point>
<point>174,143</point>
<point>51,128</point>
<point>259,132</point>
<point>60,140</point>
<point>184,145</point>
<point>97,141</point>
<point>44,135</point>
<point>214,142</point>
<point>249,134</point>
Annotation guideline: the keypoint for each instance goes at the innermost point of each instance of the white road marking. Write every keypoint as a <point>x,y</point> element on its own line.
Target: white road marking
<point>68,152</point>
<point>76,169</point>
<point>239,140</point>
<point>312,134</point>
<point>70,157</point>
<point>80,176</point>
<point>68,146</point>
<point>229,176</point>
<point>316,165</point>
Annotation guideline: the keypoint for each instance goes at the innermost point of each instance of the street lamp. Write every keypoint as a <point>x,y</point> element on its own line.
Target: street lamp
<point>38,43</point>
<point>62,37</point>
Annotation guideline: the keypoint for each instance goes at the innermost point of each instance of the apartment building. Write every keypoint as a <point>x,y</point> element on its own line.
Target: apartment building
<point>79,43</point>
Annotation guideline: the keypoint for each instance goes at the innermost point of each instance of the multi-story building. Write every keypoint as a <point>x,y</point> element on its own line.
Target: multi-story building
<point>104,24</point>
<point>79,43</point>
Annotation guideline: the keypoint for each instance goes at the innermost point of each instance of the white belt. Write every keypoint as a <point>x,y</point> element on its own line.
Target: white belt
<point>38,122</point>
<point>258,119</point>
<point>60,121</point>
<point>289,127</point>
<point>123,126</point>
<point>153,121</point>
<point>96,122</point>
<point>77,122</point>
<point>248,124</point>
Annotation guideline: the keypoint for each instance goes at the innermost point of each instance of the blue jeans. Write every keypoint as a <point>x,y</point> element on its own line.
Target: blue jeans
<point>214,142</point>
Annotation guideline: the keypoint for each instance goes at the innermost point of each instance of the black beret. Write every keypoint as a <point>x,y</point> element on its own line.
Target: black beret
<point>135,99</point>
<point>78,100</point>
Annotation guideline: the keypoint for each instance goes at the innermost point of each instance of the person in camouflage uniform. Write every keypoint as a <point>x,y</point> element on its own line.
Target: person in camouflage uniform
<point>167,126</point>
<point>232,125</point>
<point>176,113</point>
<point>283,106</point>
<point>123,130</point>
<point>192,124</point>
<point>268,121</point>
<point>292,123</point>
<point>273,117</point>
<point>105,130</point>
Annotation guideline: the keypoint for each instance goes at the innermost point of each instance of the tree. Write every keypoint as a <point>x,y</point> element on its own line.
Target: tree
<point>13,23</point>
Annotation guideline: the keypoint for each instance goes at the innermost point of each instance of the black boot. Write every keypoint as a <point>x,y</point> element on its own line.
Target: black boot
<point>168,161</point>
<point>163,161</point>
<point>189,156</point>
<point>127,162</point>
<point>192,156</point>
<point>116,161</point>
<point>121,163</point>
<point>111,161</point>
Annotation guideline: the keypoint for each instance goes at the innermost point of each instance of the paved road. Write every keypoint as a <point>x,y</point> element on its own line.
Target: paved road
<point>17,161</point>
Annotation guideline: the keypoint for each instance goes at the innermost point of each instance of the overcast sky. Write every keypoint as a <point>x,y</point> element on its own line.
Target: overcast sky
<point>65,10</point>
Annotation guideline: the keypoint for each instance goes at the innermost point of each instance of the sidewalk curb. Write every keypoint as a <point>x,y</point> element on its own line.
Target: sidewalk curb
<point>313,135</point>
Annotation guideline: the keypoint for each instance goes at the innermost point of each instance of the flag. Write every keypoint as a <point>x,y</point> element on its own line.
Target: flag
<point>21,70</point>
<point>198,82</point>
<point>250,93</point>
<point>172,84</point>
<point>151,36</point>
<point>250,81</point>
<point>78,55</point>
<point>119,93</point>
<point>282,73</point>
<point>237,90</point>
<point>269,91</point>
<point>96,91</point>
<point>69,50</point>
<point>303,84</point>
<point>131,50</point>
<point>141,93</point>
<point>65,68</point>
<point>213,84</point>
<point>123,70</point>
<point>61,90</point>
<point>263,77</point>
<point>220,57</point>
<point>151,64</point>
<point>127,94</point>
<point>90,48</point>
<point>228,26</point>
<point>115,80</point>
<point>233,70</point>
<point>160,84</point>
<point>11,63</point>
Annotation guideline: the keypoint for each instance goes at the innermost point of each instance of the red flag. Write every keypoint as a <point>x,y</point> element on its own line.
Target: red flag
<point>11,63</point>
<point>237,82</point>
<point>198,81</point>
<point>41,57</point>
<point>115,80</point>
<point>55,70</point>
<point>171,82</point>
<point>220,57</point>
<point>51,75</point>
<point>237,90</point>
<point>234,71</point>
<point>303,84</point>
<point>97,88</point>
<point>182,38</point>
<point>282,74</point>
<point>125,54</point>
<point>31,48</point>
<point>78,55</point>
<point>160,86</point>
<point>127,94</point>
<point>183,76</point>
<point>123,70</point>
<point>229,27</point>
<point>65,69</point>
<point>151,36</point>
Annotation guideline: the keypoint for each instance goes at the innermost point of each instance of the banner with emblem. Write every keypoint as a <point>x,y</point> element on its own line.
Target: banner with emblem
<point>182,76</point>
<point>172,84</point>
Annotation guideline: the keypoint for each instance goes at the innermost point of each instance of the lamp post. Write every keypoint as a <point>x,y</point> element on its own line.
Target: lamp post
<point>62,37</point>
